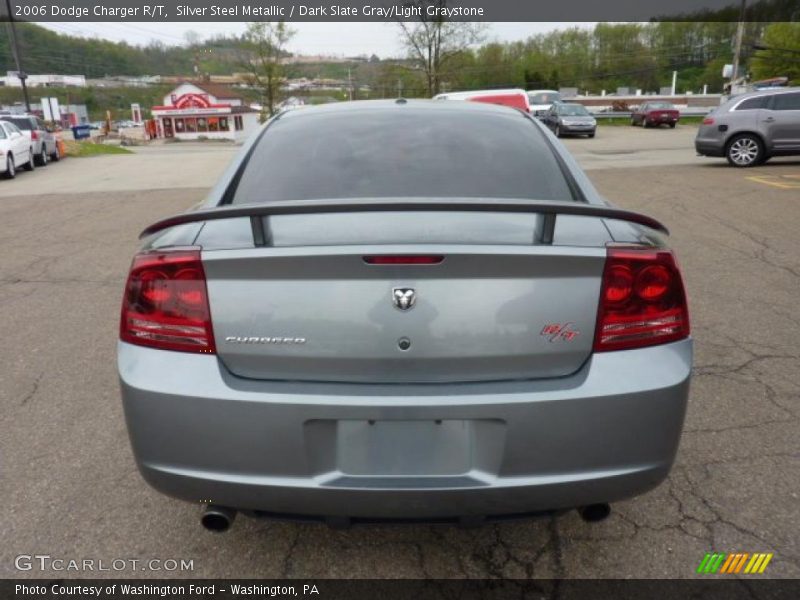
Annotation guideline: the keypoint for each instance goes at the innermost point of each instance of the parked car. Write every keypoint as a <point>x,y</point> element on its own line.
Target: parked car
<point>40,135</point>
<point>655,114</point>
<point>15,150</point>
<point>750,128</point>
<point>542,100</point>
<point>570,119</point>
<point>514,98</point>
<point>404,309</point>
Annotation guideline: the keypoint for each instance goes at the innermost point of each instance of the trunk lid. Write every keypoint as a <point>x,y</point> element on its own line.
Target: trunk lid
<point>484,313</point>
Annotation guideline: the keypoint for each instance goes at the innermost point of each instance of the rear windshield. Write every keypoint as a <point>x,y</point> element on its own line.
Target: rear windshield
<point>660,105</point>
<point>20,122</point>
<point>402,152</point>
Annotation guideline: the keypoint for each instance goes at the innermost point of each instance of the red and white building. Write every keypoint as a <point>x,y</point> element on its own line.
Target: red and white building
<point>204,110</point>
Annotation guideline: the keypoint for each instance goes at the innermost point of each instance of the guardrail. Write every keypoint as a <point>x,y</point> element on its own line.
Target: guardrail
<point>701,111</point>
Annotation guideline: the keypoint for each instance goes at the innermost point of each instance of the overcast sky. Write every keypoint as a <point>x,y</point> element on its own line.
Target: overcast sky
<point>347,39</point>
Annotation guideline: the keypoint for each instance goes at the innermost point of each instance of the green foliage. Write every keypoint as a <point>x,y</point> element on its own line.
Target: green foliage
<point>783,57</point>
<point>83,149</point>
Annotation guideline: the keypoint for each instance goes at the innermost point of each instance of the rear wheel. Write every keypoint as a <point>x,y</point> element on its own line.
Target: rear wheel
<point>31,164</point>
<point>54,155</point>
<point>672,125</point>
<point>557,131</point>
<point>41,159</point>
<point>745,150</point>
<point>11,168</point>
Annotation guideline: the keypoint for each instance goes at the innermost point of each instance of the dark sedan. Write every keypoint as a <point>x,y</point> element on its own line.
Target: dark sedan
<point>570,119</point>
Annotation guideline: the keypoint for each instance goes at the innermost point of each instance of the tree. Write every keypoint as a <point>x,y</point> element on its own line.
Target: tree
<point>265,47</point>
<point>433,42</point>
<point>782,56</point>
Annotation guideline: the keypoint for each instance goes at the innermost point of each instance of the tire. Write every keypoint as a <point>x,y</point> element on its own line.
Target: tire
<point>41,160</point>
<point>557,131</point>
<point>745,150</point>
<point>31,164</point>
<point>633,122</point>
<point>55,156</point>
<point>591,135</point>
<point>672,125</point>
<point>11,168</point>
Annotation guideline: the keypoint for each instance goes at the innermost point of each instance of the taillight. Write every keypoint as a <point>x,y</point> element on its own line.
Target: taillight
<point>166,303</point>
<point>642,300</point>
<point>708,121</point>
<point>34,134</point>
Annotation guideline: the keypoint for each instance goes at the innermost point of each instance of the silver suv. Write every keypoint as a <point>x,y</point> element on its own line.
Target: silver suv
<point>40,134</point>
<point>750,128</point>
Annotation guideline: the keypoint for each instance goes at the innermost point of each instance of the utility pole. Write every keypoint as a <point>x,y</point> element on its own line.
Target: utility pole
<point>15,51</point>
<point>350,84</point>
<point>674,81</point>
<point>399,88</point>
<point>738,49</point>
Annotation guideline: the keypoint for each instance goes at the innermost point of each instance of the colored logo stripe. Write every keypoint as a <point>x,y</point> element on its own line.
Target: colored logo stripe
<point>720,562</point>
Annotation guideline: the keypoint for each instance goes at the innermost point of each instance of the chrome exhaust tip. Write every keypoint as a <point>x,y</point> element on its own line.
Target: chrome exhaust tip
<point>217,518</point>
<point>595,513</point>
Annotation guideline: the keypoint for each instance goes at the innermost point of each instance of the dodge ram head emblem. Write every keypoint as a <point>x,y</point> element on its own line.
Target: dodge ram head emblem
<point>404,298</point>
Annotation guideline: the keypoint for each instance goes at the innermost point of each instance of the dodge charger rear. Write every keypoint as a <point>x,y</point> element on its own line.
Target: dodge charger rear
<point>404,310</point>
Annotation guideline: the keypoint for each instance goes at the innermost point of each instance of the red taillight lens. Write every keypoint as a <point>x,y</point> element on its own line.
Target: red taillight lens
<point>34,134</point>
<point>166,303</point>
<point>642,301</point>
<point>708,121</point>
<point>404,260</point>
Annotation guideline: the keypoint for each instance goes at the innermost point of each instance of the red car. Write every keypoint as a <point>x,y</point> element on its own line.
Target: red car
<point>655,114</point>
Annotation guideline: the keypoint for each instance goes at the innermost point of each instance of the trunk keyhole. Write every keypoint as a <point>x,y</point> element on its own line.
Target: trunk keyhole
<point>404,343</point>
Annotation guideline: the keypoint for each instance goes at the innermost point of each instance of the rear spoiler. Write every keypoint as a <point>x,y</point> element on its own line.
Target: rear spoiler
<point>550,210</point>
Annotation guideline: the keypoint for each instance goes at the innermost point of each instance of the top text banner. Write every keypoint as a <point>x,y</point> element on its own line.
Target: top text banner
<point>387,10</point>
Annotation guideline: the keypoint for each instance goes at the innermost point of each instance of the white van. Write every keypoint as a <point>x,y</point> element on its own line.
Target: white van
<point>515,98</point>
<point>541,100</point>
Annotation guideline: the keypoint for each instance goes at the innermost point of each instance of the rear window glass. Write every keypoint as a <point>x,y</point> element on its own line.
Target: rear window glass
<point>753,103</point>
<point>20,122</point>
<point>786,102</point>
<point>402,152</point>
<point>660,105</point>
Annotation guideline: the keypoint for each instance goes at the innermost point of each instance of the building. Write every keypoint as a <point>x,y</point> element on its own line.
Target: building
<point>12,80</point>
<point>204,110</point>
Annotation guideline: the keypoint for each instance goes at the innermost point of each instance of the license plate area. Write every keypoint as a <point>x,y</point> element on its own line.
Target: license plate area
<point>405,448</point>
<point>394,448</point>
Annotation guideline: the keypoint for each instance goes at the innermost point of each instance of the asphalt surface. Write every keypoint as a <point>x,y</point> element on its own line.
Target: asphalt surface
<point>70,488</point>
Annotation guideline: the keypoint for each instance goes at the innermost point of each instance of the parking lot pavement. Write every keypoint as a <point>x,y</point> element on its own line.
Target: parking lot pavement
<point>163,166</point>
<point>71,490</point>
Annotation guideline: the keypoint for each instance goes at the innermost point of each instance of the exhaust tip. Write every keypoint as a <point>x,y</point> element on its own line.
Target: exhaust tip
<point>217,518</point>
<point>595,512</point>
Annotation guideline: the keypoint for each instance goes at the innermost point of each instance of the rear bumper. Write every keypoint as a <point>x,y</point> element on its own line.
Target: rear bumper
<point>608,432</point>
<point>709,147</point>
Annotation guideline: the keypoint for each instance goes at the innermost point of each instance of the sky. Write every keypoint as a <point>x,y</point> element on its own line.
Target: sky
<point>337,39</point>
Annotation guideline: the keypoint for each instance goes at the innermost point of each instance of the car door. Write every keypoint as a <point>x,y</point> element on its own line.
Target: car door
<point>781,122</point>
<point>551,117</point>
<point>20,144</point>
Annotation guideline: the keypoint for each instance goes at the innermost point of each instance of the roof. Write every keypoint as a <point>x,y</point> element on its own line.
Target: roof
<point>417,106</point>
<point>216,89</point>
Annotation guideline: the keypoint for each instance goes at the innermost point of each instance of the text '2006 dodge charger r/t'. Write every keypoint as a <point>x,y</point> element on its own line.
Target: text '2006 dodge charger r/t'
<point>399,310</point>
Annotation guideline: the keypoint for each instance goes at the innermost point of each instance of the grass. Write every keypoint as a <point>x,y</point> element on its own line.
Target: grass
<point>618,122</point>
<point>81,149</point>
